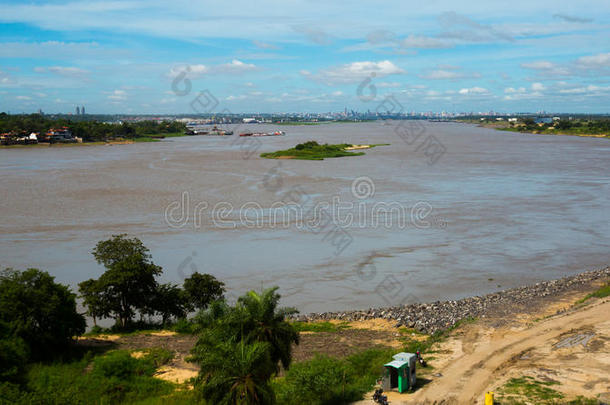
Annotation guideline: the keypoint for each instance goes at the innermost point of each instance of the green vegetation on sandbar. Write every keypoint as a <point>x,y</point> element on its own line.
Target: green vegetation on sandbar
<point>314,151</point>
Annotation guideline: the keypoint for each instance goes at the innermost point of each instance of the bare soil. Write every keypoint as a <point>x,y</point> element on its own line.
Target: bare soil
<point>562,342</point>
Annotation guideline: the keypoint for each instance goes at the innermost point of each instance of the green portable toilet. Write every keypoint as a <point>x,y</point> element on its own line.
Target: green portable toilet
<point>400,372</point>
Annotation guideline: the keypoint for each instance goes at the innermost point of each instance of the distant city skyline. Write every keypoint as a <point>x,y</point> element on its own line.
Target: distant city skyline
<point>154,57</point>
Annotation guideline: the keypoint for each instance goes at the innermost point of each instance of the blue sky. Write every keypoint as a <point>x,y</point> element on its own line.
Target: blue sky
<point>304,55</point>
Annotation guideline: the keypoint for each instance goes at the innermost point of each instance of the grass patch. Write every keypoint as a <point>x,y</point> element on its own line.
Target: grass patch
<point>602,292</point>
<point>320,326</point>
<point>112,378</point>
<point>313,151</point>
<point>538,392</point>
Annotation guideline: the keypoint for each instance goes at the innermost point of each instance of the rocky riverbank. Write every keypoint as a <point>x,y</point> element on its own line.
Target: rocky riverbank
<point>441,315</point>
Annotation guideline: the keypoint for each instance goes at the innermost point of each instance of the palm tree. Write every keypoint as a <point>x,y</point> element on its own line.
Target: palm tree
<point>240,348</point>
<point>237,374</point>
<point>263,321</point>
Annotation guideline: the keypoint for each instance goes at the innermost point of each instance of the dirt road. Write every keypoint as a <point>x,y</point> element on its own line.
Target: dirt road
<point>483,357</point>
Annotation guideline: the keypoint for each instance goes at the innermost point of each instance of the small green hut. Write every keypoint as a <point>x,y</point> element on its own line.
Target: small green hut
<point>400,372</point>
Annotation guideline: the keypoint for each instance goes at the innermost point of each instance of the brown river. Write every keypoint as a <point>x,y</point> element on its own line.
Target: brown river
<point>444,211</point>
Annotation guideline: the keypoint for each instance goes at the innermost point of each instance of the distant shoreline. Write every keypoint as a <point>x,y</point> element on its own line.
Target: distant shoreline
<point>504,127</point>
<point>149,138</point>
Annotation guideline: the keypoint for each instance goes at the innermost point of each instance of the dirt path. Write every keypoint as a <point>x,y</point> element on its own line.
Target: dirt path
<point>466,378</point>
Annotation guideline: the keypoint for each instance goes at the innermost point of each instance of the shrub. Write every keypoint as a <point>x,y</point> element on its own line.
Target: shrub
<point>320,380</point>
<point>116,364</point>
<point>123,365</point>
<point>36,309</point>
<point>183,325</point>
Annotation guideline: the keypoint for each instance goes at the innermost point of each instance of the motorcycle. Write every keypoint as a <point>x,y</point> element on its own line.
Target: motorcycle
<point>379,397</point>
<point>377,394</point>
<point>420,359</point>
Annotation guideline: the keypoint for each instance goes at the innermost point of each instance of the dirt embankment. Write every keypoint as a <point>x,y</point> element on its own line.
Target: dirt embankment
<point>563,346</point>
<point>433,317</point>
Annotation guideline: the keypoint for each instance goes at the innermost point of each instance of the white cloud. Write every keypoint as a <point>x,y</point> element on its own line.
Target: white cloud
<point>197,70</point>
<point>598,64</point>
<point>233,98</point>
<point>418,41</point>
<point>512,90</point>
<point>118,95</point>
<point>5,79</point>
<point>538,87</point>
<point>547,68</point>
<point>23,98</point>
<point>236,66</point>
<point>389,85</point>
<point>58,50</point>
<point>443,74</point>
<point>599,61</point>
<point>354,72</point>
<point>264,45</point>
<point>68,71</point>
<point>473,90</point>
<point>190,71</point>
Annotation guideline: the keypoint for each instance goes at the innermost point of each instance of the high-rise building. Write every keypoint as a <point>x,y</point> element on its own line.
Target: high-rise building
<point>77,110</point>
<point>82,110</point>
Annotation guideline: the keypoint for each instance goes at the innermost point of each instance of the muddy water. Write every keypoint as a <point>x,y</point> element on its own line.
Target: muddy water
<point>495,210</point>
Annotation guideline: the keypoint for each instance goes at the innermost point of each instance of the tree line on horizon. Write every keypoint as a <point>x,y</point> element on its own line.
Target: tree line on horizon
<point>89,130</point>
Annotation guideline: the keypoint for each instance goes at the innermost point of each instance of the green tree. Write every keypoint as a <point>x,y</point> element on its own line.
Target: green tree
<point>39,311</point>
<point>202,289</point>
<point>94,299</point>
<point>128,283</point>
<point>234,374</point>
<point>227,332</point>
<point>263,321</point>
<point>169,301</point>
<point>563,124</point>
<point>14,353</point>
<point>529,123</point>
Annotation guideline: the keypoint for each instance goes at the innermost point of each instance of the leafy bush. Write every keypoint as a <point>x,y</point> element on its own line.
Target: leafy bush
<point>184,325</point>
<point>118,364</point>
<point>322,380</point>
<point>123,365</point>
<point>14,353</point>
<point>326,380</point>
<point>37,312</point>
